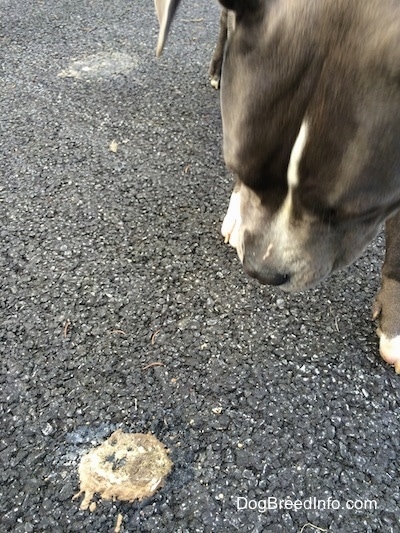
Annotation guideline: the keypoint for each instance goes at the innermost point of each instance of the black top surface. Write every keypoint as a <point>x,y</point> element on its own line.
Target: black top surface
<point>112,261</point>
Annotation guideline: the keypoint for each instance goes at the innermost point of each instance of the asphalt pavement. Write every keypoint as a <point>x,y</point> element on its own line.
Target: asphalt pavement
<point>121,307</point>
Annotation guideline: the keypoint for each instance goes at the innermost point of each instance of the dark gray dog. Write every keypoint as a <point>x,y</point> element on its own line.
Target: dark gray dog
<point>310,98</point>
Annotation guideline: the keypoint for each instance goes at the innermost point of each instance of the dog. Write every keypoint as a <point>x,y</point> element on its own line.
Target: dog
<point>310,103</point>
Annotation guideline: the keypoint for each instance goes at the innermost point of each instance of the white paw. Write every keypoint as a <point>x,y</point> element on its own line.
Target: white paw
<point>232,221</point>
<point>215,82</point>
<point>389,349</point>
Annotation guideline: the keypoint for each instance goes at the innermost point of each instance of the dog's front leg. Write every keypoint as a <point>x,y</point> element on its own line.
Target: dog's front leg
<point>387,304</point>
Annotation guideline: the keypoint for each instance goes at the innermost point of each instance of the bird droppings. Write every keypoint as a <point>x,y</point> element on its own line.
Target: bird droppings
<point>125,467</point>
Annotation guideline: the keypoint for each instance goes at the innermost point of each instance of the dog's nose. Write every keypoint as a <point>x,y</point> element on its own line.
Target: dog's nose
<point>263,273</point>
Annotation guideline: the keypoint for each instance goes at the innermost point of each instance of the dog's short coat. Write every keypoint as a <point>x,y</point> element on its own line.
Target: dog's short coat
<point>310,101</point>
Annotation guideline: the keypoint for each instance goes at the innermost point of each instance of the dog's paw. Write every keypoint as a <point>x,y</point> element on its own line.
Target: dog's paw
<point>389,349</point>
<point>215,81</point>
<point>386,310</point>
<point>215,71</point>
<point>232,221</point>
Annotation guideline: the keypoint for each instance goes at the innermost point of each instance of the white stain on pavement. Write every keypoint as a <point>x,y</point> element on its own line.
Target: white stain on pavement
<point>101,65</point>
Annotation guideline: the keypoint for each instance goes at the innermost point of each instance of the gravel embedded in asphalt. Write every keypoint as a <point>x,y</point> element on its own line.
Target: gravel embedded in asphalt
<point>112,260</point>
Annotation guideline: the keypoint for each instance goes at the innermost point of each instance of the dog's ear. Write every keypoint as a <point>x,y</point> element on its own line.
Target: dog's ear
<point>165,12</point>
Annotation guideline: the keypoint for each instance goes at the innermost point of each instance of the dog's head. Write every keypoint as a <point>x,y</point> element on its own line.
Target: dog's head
<point>310,99</point>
